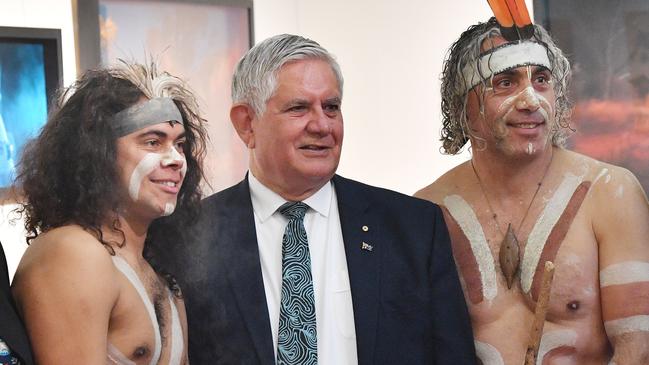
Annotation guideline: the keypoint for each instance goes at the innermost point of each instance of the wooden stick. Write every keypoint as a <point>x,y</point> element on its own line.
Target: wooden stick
<point>540,312</point>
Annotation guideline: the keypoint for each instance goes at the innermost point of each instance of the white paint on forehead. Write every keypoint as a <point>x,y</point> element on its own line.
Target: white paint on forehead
<point>504,58</point>
<point>543,226</point>
<point>608,178</point>
<point>624,273</point>
<point>616,327</point>
<point>488,354</point>
<point>553,340</point>
<point>468,222</point>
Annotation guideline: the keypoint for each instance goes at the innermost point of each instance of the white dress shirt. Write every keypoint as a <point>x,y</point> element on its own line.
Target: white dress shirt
<point>333,300</point>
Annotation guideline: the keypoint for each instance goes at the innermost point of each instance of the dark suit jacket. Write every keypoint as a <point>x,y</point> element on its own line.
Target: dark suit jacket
<point>12,330</point>
<point>407,301</point>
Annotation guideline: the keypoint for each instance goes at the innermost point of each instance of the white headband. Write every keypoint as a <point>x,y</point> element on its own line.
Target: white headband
<point>503,58</point>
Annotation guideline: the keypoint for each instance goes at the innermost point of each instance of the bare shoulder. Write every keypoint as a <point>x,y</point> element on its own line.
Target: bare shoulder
<point>65,254</point>
<point>445,185</point>
<point>609,183</point>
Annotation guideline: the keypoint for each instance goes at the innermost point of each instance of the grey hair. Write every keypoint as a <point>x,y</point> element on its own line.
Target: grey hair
<point>466,51</point>
<point>255,76</point>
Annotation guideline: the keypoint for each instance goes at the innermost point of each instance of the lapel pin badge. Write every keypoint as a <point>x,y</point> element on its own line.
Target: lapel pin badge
<point>366,247</point>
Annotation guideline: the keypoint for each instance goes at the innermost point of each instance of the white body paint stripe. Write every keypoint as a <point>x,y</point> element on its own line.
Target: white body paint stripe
<point>626,325</point>
<point>603,172</point>
<point>488,354</point>
<point>468,222</point>
<point>553,340</point>
<point>539,234</point>
<point>624,273</point>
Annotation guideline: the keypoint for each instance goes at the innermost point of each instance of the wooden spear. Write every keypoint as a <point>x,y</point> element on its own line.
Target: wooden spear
<point>540,312</point>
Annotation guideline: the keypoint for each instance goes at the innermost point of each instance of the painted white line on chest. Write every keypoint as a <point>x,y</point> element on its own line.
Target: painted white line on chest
<point>539,234</point>
<point>488,354</point>
<point>468,222</point>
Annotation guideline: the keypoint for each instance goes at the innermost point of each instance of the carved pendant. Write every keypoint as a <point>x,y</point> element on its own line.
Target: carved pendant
<point>509,256</point>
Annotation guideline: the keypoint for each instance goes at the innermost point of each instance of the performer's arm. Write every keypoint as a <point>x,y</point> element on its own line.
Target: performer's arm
<point>621,226</point>
<point>65,290</point>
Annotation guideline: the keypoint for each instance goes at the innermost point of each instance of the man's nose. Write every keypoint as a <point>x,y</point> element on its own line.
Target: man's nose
<point>319,122</point>
<point>528,100</point>
<point>173,159</point>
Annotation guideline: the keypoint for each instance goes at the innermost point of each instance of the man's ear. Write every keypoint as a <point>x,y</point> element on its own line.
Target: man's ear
<point>242,116</point>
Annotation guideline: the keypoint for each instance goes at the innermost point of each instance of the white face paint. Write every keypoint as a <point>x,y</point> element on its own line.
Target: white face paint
<point>553,340</point>
<point>147,165</point>
<point>468,222</point>
<point>530,148</point>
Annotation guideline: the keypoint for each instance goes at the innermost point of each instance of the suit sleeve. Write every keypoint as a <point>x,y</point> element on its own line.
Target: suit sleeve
<point>453,338</point>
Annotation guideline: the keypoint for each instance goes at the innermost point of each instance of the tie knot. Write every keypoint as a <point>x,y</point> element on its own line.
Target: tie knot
<point>293,210</point>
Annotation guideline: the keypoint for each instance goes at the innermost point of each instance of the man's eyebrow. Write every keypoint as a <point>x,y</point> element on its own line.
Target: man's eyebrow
<point>159,134</point>
<point>334,100</point>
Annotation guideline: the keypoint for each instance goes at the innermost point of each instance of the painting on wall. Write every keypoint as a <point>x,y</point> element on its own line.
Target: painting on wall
<point>199,42</point>
<point>607,43</point>
<point>30,73</point>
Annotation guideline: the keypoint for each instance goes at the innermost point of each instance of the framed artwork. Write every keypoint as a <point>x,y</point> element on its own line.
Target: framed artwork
<point>198,41</point>
<point>30,73</point>
<point>607,43</point>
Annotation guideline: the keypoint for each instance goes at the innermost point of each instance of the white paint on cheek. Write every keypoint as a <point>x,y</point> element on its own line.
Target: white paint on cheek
<point>624,273</point>
<point>488,354</point>
<point>553,340</point>
<point>169,209</point>
<point>146,165</point>
<point>468,222</point>
<point>607,179</point>
<point>543,226</point>
<point>639,323</point>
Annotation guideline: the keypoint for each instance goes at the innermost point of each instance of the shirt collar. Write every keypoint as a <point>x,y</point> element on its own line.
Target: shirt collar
<point>265,202</point>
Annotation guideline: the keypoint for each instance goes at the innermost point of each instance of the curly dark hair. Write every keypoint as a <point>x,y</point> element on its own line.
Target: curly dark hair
<point>467,50</point>
<point>68,173</point>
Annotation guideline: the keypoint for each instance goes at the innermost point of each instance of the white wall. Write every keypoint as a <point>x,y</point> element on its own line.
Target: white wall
<point>391,55</point>
<point>44,14</point>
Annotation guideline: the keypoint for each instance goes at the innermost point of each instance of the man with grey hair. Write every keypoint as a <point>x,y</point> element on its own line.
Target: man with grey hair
<point>304,266</point>
<point>523,208</point>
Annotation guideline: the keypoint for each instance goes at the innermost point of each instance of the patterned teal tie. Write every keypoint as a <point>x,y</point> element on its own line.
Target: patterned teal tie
<point>297,342</point>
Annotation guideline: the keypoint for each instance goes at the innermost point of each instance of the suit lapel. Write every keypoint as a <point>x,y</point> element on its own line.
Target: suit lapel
<point>11,328</point>
<point>363,251</point>
<point>244,270</point>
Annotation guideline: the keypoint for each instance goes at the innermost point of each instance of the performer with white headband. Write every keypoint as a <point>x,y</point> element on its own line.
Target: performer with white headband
<point>115,170</point>
<point>524,207</point>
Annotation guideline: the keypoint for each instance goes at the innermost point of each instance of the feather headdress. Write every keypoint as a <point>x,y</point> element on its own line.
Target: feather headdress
<point>514,19</point>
